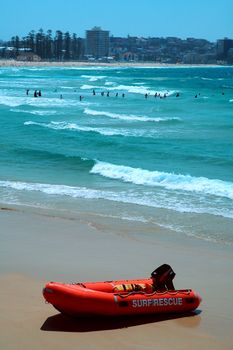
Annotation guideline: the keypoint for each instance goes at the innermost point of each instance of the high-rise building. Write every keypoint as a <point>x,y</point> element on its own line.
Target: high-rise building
<point>223,46</point>
<point>97,42</point>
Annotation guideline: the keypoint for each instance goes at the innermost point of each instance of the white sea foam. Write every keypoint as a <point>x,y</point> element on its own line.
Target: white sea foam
<point>58,126</point>
<point>109,83</point>
<point>74,192</point>
<point>128,117</point>
<point>87,87</point>
<point>93,78</point>
<point>13,101</point>
<point>34,112</point>
<point>169,181</point>
<point>203,78</point>
<point>140,89</point>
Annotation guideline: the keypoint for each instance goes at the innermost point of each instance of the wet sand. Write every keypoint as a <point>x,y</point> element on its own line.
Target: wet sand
<point>36,247</point>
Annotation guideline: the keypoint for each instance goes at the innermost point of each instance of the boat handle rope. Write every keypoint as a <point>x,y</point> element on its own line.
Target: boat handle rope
<point>154,293</point>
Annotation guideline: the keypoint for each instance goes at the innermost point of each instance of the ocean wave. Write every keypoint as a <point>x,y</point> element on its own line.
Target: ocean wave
<point>141,89</point>
<point>53,125</point>
<point>93,77</point>
<point>102,131</point>
<point>134,89</point>
<point>109,83</point>
<point>129,117</point>
<point>128,197</point>
<point>87,87</point>
<point>13,101</point>
<point>73,126</point>
<point>34,112</point>
<point>169,181</point>
<point>204,78</point>
<point>56,156</point>
<point>74,192</point>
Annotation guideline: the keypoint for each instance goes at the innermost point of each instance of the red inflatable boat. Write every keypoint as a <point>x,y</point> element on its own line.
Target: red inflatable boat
<point>124,297</point>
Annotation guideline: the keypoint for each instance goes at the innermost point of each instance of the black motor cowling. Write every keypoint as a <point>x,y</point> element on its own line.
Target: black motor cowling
<point>163,277</point>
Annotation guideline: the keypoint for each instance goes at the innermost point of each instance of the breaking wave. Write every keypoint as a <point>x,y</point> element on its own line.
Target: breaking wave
<point>34,112</point>
<point>93,77</point>
<point>129,117</point>
<point>13,101</point>
<point>134,89</point>
<point>158,200</point>
<point>102,131</point>
<point>169,181</point>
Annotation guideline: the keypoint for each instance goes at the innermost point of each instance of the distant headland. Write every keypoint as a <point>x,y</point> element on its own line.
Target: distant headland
<point>101,48</point>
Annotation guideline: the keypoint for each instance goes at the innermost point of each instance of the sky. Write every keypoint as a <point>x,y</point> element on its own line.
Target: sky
<point>207,19</point>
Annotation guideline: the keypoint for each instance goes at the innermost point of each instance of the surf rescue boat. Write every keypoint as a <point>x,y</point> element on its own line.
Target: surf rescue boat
<point>122,297</point>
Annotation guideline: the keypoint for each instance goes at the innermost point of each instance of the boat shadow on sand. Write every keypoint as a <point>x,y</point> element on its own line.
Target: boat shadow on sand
<point>62,323</point>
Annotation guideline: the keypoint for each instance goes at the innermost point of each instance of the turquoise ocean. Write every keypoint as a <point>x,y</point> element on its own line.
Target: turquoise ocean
<point>163,161</point>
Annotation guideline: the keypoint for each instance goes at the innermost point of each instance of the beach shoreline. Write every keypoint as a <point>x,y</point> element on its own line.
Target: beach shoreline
<point>37,246</point>
<point>15,63</point>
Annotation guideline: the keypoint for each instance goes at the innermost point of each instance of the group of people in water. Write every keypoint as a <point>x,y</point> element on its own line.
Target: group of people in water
<point>103,93</point>
<point>37,93</point>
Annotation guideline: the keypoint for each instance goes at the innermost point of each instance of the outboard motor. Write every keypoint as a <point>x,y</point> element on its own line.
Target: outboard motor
<point>162,277</point>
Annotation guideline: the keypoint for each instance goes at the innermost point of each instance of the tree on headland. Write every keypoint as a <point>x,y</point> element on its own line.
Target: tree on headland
<point>48,47</point>
<point>15,42</point>
<point>40,44</point>
<point>31,40</point>
<point>67,42</point>
<point>58,43</point>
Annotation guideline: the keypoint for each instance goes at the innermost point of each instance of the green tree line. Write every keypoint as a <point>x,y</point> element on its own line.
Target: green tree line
<point>60,46</point>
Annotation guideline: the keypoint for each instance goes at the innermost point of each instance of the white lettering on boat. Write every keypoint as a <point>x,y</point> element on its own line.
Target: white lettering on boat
<point>157,302</point>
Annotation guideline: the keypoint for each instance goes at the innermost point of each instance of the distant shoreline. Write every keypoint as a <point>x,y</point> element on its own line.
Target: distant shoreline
<point>15,63</point>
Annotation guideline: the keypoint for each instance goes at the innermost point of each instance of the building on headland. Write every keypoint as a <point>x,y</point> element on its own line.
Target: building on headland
<point>97,43</point>
<point>224,47</point>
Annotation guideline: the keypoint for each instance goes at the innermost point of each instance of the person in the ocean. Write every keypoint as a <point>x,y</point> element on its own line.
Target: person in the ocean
<point>35,93</point>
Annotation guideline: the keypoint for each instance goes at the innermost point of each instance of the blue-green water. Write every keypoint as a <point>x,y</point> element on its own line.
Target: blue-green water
<point>167,161</point>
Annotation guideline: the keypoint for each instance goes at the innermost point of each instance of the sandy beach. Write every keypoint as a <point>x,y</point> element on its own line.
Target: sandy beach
<point>37,247</point>
<point>15,63</point>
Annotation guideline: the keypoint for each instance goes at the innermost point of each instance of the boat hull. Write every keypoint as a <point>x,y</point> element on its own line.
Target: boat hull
<point>100,298</point>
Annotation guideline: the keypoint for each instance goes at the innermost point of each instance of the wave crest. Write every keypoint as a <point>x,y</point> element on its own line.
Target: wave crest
<point>129,117</point>
<point>82,128</point>
<point>169,181</point>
